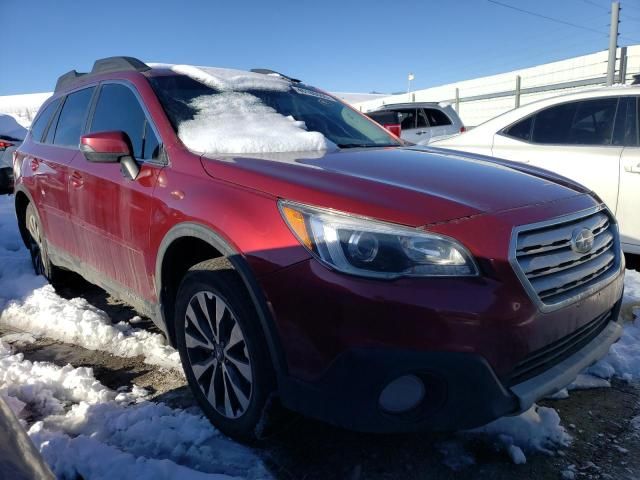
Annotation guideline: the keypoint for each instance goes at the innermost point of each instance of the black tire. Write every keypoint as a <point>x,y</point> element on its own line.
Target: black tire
<point>214,284</point>
<point>38,246</point>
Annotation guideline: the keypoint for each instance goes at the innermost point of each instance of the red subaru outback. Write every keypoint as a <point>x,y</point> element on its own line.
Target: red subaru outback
<point>289,247</point>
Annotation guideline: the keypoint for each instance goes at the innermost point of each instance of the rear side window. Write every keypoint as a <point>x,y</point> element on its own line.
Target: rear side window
<point>118,109</point>
<point>588,122</point>
<point>521,130</point>
<point>437,118</point>
<point>407,118</point>
<point>40,125</point>
<point>72,118</point>
<point>553,124</point>
<point>593,124</point>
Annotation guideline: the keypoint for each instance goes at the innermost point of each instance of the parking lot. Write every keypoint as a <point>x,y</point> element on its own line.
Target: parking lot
<point>267,241</point>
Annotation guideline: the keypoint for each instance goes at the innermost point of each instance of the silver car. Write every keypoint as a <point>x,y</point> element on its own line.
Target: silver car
<point>11,136</point>
<point>421,122</point>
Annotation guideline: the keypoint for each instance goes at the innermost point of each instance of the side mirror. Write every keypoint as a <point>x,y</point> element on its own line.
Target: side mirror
<point>110,147</point>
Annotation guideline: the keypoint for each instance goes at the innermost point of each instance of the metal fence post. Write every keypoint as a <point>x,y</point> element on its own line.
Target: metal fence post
<point>457,100</point>
<point>623,66</point>
<point>517,95</point>
<point>613,42</point>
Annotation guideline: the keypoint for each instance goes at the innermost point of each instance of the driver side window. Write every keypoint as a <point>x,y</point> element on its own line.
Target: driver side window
<point>118,108</point>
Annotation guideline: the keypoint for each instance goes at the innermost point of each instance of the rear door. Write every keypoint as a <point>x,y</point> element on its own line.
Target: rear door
<point>629,198</point>
<point>112,213</point>
<point>439,124</point>
<point>409,124</point>
<point>574,139</point>
<point>50,164</point>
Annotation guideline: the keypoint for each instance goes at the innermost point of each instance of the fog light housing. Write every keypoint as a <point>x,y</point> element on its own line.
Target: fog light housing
<point>403,394</point>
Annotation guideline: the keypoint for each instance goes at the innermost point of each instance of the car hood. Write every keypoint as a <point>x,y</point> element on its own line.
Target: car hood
<point>414,186</point>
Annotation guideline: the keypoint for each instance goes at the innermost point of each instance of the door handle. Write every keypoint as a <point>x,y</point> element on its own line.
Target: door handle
<point>76,180</point>
<point>632,168</point>
<point>421,132</point>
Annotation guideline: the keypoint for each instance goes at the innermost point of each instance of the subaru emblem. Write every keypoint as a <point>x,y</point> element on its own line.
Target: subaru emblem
<point>582,240</point>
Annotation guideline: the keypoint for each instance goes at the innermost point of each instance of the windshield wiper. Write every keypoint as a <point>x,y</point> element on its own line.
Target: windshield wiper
<point>366,145</point>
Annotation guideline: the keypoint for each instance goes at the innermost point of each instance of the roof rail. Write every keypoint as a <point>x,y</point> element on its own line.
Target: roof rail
<point>119,64</point>
<point>67,79</point>
<point>267,71</point>
<point>103,65</point>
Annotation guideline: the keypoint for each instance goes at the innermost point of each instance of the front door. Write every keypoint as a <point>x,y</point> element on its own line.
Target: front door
<point>112,213</point>
<point>629,198</point>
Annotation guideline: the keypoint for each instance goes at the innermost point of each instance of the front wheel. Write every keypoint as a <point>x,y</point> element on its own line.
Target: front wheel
<point>222,349</point>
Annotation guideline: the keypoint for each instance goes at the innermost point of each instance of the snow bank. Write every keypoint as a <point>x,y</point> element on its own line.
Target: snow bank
<point>23,107</point>
<point>28,303</point>
<point>80,323</point>
<point>234,121</point>
<point>536,430</point>
<point>623,359</point>
<point>83,428</point>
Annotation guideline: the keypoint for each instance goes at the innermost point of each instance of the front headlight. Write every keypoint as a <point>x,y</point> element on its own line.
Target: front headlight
<point>370,248</point>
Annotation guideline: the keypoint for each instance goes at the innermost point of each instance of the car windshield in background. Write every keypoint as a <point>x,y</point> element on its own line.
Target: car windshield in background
<point>319,112</point>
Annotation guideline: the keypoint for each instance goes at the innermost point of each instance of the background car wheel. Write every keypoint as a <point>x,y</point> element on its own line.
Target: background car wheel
<point>37,245</point>
<point>222,349</point>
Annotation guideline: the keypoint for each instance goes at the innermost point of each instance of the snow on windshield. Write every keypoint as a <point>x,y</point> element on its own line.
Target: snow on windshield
<point>234,121</point>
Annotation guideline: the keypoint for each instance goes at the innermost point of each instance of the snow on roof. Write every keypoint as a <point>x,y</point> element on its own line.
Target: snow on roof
<point>227,79</point>
<point>237,122</point>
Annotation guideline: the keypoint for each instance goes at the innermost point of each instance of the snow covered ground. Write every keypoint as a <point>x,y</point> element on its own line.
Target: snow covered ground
<point>82,427</point>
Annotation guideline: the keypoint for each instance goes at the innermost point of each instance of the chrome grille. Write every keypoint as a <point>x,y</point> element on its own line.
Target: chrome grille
<point>552,270</point>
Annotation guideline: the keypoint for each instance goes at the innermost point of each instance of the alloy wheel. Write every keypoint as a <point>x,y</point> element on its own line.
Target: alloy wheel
<point>35,245</point>
<point>218,354</point>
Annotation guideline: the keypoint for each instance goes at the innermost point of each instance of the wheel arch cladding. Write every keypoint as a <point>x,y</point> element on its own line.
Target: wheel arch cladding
<point>180,248</point>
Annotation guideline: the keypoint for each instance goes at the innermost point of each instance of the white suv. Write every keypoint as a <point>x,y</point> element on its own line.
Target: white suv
<point>591,137</point>
<point>421,122</point>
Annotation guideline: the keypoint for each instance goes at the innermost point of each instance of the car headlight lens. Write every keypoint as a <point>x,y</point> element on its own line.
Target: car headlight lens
<point>367,247</point>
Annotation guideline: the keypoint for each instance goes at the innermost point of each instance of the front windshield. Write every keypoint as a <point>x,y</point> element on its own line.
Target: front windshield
<point>183,98</point>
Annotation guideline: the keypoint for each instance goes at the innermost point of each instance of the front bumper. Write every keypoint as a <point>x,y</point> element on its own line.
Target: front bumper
<point>462,390</point>
<point>481,345</point>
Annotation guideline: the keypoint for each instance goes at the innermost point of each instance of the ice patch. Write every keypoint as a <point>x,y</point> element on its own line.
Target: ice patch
<point>18,339</point>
